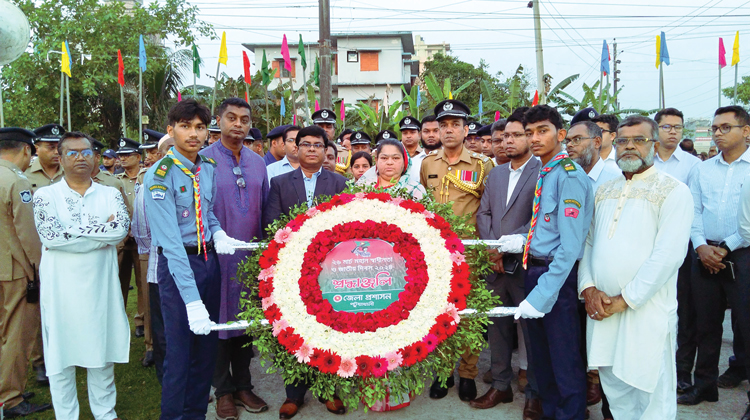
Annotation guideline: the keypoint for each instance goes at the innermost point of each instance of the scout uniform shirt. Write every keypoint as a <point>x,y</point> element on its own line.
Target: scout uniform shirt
<point>461,182</point>
<point>38,178</point>
<point>19,242</point>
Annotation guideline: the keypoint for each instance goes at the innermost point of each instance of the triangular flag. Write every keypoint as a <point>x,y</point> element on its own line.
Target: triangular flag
<point>722,54</point>
<point>301,52</point>
<point>223,56</point>
<point>535,102</point>
<point>658,51</point>
<point>65,61</point>
<point>285,54</point>
<point>196,62</point>
<point>343,111</point>
<point>497,115</point>
<point>179,96</point>
<point>317,106</point>
<point>265,71</point>
<point>450,95</point>
<point>246,66</point>
<point>316,72</point>
<point>604,67</point>
<point>283,107</point>
<point>663,52</point>
<point>120,69</point>
<point>736,50</point>
<point>294,120</point>
<point>141,55</point>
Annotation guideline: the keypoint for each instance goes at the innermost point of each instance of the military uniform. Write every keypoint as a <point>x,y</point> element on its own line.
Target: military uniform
<point>39,178</point>
<point>20,252</point>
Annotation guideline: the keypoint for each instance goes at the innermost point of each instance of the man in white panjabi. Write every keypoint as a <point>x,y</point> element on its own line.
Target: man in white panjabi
<point>84,323</point>
<point>628,276</point>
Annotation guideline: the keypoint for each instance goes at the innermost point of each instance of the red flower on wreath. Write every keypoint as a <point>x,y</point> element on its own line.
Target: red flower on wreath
<point>329,362</point>
<point>364,366</point>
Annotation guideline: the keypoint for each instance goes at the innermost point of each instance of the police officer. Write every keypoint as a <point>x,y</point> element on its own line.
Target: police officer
<point>456,175</point>
<point>188,269</point>
<point>473,142</point>
<point>411,136</point>
<point>385,134</point>
<point>360,142</point>
<point>18,262</point>
<point>326,119</point>
<point>103,177</point>
<point>214,132</point>
<point>149,149</point>
<point>559,226</point>
<point>46,169</point>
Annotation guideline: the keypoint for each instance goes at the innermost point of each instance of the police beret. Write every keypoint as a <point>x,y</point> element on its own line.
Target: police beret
<point>324,116</point>
<point>151,135</point>
<point>18,134</point>
<point>255,133</point>
<point>385,134</point>
<point>359,137</point>
<point>485,130</point>
<point>451,108</point>
<point>96,145</point>
<point>49,132</point>
<point>128,146</point>
<point>474,127</point>
<point>409,123</point>
<point>214,126</point>
<point>586,114</point>
<point>277,132</point>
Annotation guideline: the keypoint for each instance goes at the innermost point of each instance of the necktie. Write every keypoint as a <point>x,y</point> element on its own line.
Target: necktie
<point>196,199</point>
<point>537,197</point>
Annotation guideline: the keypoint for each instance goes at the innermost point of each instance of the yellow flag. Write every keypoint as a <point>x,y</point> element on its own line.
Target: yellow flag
<point>65,64</point>
<point>450,95</point>
<point>736,49</point>
<point>658,51</point>
<point>223,51</point>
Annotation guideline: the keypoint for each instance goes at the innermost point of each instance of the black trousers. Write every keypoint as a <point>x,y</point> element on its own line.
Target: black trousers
<point>235,352</point>
<point>157,330</point>
<point>686,344</point>
<point>710,298</point>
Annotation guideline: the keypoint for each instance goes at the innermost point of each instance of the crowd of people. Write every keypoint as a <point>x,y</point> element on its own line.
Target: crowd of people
<point>620,248</point>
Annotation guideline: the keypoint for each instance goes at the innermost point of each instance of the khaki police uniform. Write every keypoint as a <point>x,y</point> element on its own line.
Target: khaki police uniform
<point>127,254</point>
<point>20,252</point>
<point>39,178</point>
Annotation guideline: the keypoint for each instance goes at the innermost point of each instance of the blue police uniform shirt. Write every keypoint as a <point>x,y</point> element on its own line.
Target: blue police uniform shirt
<point>565,211</point>
<point>310,184</point>
<point>170,209</point>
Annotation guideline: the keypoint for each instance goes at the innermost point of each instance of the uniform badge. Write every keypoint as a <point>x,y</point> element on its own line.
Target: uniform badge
<point>448,106</point>
<point>592,114</point>
<point>55,131</point>
<point>546,217</point>
<point>324,114</point>
<point>145,137</point>
<point>158,194</point>
<point>197,178</point>
<point>213,121</point>
<point>571,201</point>
<point>122,143</point>
<point>386,135</point>
<point>472,126</point>
<point>358,136</point>
<point>570,212</point>
<point>25,196</point>
<point>185,213</point>
<point>182,188</point>
<point>407,121</point>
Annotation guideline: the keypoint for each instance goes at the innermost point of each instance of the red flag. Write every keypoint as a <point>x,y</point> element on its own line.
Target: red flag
<point>317,106</point>
<point>120,69</point>
<point>285,54</point>
<point>497,115</point>
<point>535,102</point>
<point>294,120</point>
<point>343,111</point>
<point>722,54</point>
<point>246,65</point>
<point>179,96</point>
<point>246,98</point>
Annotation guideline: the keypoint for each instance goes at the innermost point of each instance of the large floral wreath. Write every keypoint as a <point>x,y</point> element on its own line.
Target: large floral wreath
<point>364,355</point>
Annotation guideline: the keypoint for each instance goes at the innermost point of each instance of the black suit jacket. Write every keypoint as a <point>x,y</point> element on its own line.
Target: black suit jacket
<point>288,190</point>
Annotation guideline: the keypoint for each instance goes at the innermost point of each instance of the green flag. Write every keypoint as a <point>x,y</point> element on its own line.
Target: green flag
<point>301,52</point>
<point>316,72</point>
<point>265,71</point>
<point>196,62</point>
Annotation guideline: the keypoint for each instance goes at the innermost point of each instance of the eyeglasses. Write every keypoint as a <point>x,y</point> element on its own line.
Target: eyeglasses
<point>638,141</point>
<point>497,141</point>
<point>306,145</point>
<point>517,136</point>
<point>86,153</point>
<point>289,140</point>
<point>725,128</point>
<point>669,127</point>
<point>575,141</point>
<point>240,181</point>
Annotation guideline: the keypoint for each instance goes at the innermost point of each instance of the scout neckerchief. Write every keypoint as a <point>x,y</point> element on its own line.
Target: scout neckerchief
<point>537,197</point>
<point>196,199</point>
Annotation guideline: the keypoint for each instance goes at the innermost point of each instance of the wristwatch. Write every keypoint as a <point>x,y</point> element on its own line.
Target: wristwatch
<point>723,244</point>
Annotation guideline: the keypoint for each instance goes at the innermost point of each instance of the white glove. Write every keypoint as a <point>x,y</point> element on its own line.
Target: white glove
<point>525,310</point>
<point>512,244</point>
<point>225,244</point>
<point>198,318</point>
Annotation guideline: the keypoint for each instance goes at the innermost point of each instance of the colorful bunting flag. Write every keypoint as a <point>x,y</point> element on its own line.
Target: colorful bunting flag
<point>316,72</point>
<point>141,54</point>
<point>497,115</point>
<point>196,62</point>
<point>265,71</point>
<point>65,61</point>
<point>223,56</point>
<point>604,68</point>
<point>70,56</point>
<point>736,50</point>
<point>246,66</point>
<point>301,52</point>
<point>120,69</point>
<point>535,102</point>
<point>419,97</point>
<point>663,52</point>
<point>317,106</point>
<point>179,96</point>
<point>343,111</point>
<point>658,51</point>
<point>285,54</point>
<point>283,108</point>
<point>722,54</point>
<point>480,106</point>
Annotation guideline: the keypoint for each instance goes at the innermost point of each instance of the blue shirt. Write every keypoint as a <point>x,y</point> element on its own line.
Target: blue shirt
<point>278,168</point>
<point>565,211</point>
<point>716,186</point>
<point>310,186</point>
<point>269,158</point>
<point>170,209</point>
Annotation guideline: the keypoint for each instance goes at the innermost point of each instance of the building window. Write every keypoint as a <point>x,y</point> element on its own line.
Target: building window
<point>372,103</point>
<point>278,65</point>
<point>352,57</point>
<point>369,61</point>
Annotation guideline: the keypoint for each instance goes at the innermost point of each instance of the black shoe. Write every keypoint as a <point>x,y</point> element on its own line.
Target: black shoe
<point>746,416</point>
<point>697,395</point>
<point>467,389</point>
<point>731,378</point>
<point>139,331</point>
<point>28,395</point>
<point>24,409</point>
<point>683,387</point>
<point>41,375</point>
<point>148,359</point>
<point>437,391</point>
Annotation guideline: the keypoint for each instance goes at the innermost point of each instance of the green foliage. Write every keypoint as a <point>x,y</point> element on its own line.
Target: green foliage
<point>439,363</point>
<point>743,91</point>
<point>31,84</point>
<point>603,101</point>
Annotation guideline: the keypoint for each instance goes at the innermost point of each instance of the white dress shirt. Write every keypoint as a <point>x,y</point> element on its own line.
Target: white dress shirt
<point>679,165</point>
<point>515,175</point>
<point>603,171</point>
<point>743,224</point>
<point>716,185</point>
<point>611,156</point>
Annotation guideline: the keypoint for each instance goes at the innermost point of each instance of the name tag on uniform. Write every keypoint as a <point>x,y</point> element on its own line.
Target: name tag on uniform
<point>433,176</point>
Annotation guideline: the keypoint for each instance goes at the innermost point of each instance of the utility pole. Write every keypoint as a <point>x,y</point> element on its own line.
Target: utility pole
<point>616,78</point>
<point>324,14</point>
<point>539,55</point>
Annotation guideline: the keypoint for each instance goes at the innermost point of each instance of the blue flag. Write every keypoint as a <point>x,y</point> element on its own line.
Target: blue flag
<point>141,55</point>
<point>419,97</point>
<point>604,68</point>
<point>664,54</point>
<point>283,107</point>
<point>70,55</point>
<point>480,105</point>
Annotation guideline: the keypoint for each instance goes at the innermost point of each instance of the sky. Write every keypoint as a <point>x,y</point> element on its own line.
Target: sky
<point>502,33</point>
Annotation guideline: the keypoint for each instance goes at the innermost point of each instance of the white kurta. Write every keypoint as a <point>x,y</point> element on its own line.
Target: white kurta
<point>637,242</point>
<point>83,316</point>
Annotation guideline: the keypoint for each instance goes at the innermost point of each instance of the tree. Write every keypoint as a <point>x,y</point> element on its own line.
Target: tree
<point>743,91</point>
<point>95,31</point>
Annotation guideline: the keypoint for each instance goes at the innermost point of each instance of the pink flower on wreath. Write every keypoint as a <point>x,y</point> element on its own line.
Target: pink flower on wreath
<point>359,196</point>
<point>282,235</point>
<point>347,368</point>
<point>430,341</point>
<point>267,273</point>
<point>397,200</point>
<point>379,366</point>
<point>452,311</point>
<point>394,360</point>
<point>266,302</point>
<point>303,353</point>
<point>428,214</point>
<point>312,212</point>
<point>279,326</point>
<point>458,258</point>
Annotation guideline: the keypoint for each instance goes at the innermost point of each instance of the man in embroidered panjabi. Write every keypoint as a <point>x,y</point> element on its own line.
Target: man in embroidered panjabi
<point>84,323</point>
<point>645,215</point>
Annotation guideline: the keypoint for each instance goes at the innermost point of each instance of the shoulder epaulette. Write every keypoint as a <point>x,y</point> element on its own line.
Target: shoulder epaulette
<point>164,165</point>
<point>568,165</point>
<point>433,152</point>
<point>208,159</point>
